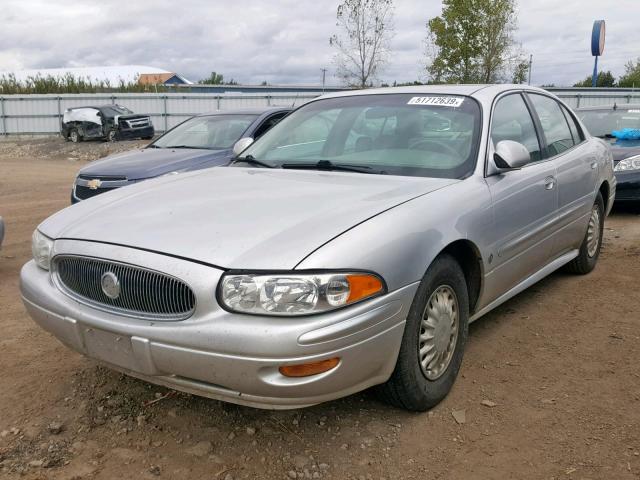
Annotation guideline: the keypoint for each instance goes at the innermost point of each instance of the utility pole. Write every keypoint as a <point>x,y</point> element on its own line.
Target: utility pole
<point>530,65</point>
<point>324,76</point>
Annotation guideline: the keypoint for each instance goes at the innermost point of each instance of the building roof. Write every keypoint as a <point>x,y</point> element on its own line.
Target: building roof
<point>112,74</point>
<point>158,78</point>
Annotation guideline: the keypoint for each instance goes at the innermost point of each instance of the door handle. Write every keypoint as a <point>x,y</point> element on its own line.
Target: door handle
<point>549,182</point>
<point>594,165</point>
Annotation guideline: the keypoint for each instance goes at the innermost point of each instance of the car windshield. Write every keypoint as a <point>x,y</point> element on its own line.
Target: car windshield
<point>114,110</point>
<point>426,135</point>
<point>601,123</point>
<point>213,132</point>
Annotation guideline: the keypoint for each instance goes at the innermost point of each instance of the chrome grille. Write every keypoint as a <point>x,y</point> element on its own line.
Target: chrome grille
<point>141,122</point>
<point>143,293</point>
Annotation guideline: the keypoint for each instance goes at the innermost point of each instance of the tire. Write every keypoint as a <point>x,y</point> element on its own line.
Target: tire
<point>587,258</point>
<point>75,136</point>
<point>111,136</point>
<point>410,386</point>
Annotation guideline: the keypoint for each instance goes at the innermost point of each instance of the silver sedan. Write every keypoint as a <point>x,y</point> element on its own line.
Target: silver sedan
<point>349,247</point>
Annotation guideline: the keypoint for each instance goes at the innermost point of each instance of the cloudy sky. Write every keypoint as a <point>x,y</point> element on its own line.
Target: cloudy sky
<point>286,41</point>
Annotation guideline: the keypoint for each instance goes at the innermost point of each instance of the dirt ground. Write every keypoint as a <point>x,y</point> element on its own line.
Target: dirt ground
<point>550,384</point>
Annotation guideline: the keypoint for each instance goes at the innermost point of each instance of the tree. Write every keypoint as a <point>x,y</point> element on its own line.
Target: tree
<point>362,47</point>
<point>473,42</point>
<point>216,79</point>
<point>605,79</point>
<point>631,77</point>
<point>520,72</point>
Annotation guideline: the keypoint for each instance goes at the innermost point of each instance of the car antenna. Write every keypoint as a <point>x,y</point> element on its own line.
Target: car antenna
<point>294,100</point>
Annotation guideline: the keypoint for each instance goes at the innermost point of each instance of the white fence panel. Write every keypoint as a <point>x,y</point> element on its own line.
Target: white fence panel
<point>42,114</point>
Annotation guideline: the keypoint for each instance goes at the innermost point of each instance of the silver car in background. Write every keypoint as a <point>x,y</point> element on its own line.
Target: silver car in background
<point>349,247</point>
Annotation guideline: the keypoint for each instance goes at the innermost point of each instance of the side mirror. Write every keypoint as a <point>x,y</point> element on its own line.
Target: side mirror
<point>510,155</point>
<point>241,145</point>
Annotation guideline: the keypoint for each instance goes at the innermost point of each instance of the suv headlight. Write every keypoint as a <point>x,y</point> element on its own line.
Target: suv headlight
<point>41,247</point>
<point>631,163</point>
<point>290,294</point>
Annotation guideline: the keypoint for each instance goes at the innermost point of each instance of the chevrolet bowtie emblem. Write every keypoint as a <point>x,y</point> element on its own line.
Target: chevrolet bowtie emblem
<point>94,184</point>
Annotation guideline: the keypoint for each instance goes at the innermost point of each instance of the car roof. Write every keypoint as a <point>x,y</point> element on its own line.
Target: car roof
<point>246,111</point>
<point>623,106</point>
<point>444,89</point>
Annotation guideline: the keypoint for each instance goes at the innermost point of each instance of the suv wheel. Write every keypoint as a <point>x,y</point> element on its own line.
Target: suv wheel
<point>434,339</point>
<point>75,136</point>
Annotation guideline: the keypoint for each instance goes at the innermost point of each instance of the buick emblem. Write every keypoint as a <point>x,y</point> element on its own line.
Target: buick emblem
<point>110,285</point>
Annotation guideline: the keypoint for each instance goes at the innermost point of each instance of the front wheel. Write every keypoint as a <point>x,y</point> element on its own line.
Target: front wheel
<point>112,136</point>
<point>434,339</point>
<point>587,258</point>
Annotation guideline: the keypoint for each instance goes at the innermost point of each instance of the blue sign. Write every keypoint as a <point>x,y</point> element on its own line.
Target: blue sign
<point>597,38</point>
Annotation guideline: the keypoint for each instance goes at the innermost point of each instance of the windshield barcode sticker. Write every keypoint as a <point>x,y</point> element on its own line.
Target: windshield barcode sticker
<point>437,101</point>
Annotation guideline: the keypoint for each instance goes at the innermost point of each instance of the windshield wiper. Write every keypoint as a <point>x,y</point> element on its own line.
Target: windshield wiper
<point>330,166</point>
<point>251,160</point>
<point>153,146</point>
<point>186,146</point>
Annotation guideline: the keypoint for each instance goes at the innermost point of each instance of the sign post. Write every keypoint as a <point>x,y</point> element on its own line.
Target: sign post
<point>597,47</point>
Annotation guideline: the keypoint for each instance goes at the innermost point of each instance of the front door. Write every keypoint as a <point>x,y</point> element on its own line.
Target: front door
<point>524,202</point>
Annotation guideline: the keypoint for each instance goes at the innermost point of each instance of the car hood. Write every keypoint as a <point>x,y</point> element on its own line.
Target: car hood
<point>153,162</point>
<point>237,217</point>
<point>621,149</point>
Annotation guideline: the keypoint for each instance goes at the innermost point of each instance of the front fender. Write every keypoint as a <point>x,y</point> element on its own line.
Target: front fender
<point>400,244</point>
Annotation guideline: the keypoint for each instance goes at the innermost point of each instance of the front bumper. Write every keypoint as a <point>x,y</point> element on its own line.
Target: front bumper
<point>129,133</point>
<point>628,186</point>
<point>218,354</point>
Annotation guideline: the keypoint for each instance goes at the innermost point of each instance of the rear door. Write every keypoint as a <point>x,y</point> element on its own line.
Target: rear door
<point>524,201</point>
<point>577,170</point>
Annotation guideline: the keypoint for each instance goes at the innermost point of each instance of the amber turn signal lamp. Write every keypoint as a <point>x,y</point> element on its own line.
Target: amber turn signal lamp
<point>363,286</point>
<point>308,369</point>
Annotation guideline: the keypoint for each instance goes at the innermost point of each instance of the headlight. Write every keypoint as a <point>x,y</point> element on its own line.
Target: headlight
<point>631,163</point>
<point>41,247</point>
<point>296,293</point>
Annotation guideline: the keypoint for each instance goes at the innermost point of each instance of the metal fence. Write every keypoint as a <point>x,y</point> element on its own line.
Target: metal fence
<point>42,114</point>
<point>592,97</point>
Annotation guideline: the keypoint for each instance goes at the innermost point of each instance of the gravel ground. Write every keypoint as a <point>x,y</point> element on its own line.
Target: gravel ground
<point>549,388</point>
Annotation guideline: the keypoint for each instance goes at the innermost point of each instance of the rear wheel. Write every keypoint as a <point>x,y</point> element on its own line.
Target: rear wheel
<point>75,136</point>
<point>587,258</point>
<point>434,339</point>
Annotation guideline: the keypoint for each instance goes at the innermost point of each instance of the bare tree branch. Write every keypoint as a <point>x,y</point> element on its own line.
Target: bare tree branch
<point>362,46</point>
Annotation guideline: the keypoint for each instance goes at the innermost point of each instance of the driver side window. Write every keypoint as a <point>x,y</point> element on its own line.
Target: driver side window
<point>512,121</point>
